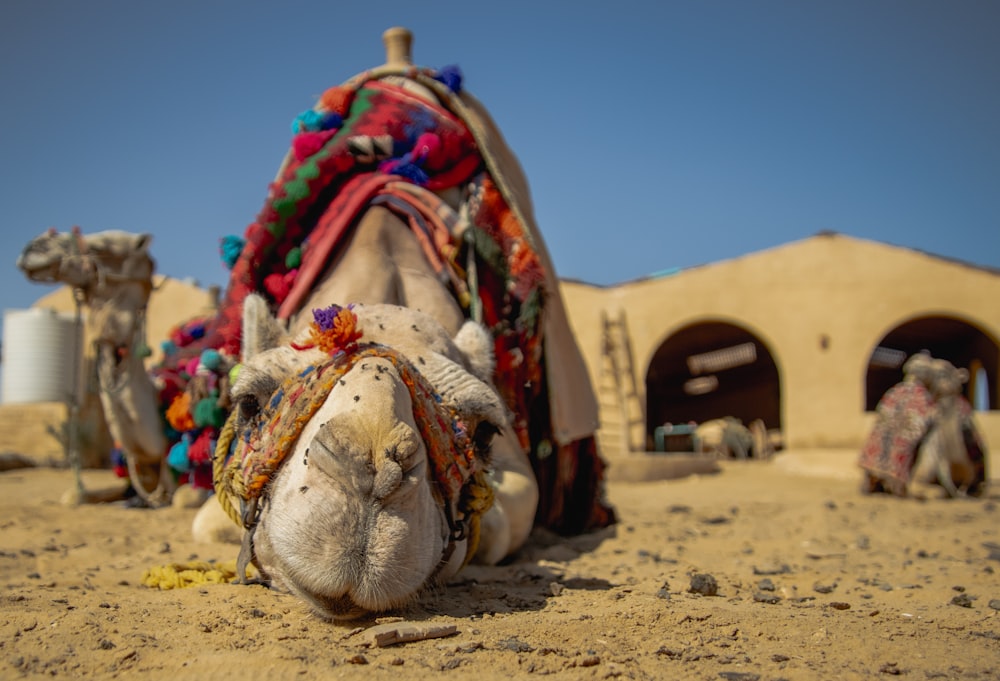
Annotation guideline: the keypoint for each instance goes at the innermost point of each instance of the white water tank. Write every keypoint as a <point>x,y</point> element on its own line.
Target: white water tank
<point>39,348</point>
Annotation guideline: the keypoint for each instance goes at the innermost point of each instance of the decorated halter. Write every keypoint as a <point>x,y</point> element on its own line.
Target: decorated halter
<point>246,462</point>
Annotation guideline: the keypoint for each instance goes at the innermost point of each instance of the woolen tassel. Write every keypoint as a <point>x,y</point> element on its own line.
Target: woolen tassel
<point>294,258</point>
<point>337,100</point>
<point>305,144</point>
<point>451,76</point>
<point>279,285</point>
<point>311,120</point>
<point>177,458</point>
<point>211,359</point>
<point>179,413</point>
<point>405,168</point>
<point>230,247</point>
<point>427,148</point>
<point>200,451</point>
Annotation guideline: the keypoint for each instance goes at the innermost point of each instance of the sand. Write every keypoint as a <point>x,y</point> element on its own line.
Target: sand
<point>764,570</point>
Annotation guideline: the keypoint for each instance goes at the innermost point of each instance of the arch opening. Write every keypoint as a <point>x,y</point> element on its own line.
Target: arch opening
<point>711,370</point>
<point>955,340</point>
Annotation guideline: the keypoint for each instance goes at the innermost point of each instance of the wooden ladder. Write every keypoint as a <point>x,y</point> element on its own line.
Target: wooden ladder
<point>618,383</point>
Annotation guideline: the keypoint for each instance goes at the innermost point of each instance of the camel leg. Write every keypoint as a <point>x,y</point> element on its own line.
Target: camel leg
<point>508,523</point>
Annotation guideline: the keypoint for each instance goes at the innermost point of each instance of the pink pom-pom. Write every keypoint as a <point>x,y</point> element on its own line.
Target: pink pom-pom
<point>427,149</point>
<point>305,144</point>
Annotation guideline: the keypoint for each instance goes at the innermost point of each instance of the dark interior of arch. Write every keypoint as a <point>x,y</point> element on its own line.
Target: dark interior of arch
<point>952,339</point>
<point>748,392</point>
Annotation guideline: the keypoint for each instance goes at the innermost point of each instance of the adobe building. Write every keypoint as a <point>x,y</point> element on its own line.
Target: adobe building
<point>806,336</point>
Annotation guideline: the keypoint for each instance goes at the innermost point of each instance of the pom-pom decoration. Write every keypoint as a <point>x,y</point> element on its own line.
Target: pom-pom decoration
<point>305,144</point>
<point>337,100</point>
<point>230,248</point>
<point>333,330</point>
<point>280,285</point>
<point>179,413</point>
<point>177,458</point>
<point>312,120</point>
<point>294,258</point>
<point>451,76</point>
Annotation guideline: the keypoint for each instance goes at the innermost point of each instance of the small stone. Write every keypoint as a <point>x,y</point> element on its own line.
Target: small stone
<point>765,585</point>
<point>995,603</point>
<point>770,599</point>
<point>840,605</point>
<point>704,584</point>
<point>963,600</point>
<point>824,588</point>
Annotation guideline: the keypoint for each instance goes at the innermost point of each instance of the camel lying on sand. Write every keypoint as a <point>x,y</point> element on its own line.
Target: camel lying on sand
<point>400,212</point>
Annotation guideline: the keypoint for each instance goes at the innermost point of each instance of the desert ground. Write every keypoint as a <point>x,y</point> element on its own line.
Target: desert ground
<point>763,570</point>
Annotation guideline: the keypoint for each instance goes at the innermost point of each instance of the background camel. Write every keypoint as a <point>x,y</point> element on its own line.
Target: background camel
<point>923,434</point>
<point>111,274</point>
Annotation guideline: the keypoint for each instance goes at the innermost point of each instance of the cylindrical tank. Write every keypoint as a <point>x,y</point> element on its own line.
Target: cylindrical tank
<point>39,355</point>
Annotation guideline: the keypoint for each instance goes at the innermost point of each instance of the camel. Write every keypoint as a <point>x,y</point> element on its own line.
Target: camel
<point>398,191</point>
<point>727,437</point>
<point>111,273</point>
<point>924,435</point>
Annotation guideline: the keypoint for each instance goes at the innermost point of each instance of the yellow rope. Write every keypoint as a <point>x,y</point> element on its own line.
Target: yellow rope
<point>194,573</point>
<point>477,499</point>
<point>224,479</point>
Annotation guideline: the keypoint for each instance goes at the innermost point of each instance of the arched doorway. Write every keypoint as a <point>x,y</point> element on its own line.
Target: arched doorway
<point>950,338</point>
<point>710,370</point>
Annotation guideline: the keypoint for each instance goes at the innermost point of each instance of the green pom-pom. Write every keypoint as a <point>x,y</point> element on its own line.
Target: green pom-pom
<point>294,258</point>
<point>208,413</point>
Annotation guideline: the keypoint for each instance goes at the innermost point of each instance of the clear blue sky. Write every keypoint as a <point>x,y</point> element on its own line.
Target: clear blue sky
<point>655,135</point>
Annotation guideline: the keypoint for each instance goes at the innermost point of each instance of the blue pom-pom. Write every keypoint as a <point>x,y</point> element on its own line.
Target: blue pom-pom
<point>451,76</point>
<point>168,347</point>
<point>177,458</point>
<point>197,331</point>
<point>230,248</point>
<point>407,169</point>
<point>311,120</point>
<point>331,120</point>
<point>306,121</point>
<point>211,359</point>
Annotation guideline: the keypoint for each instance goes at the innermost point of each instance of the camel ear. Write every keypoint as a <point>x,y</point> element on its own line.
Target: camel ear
<point>474,400</point>
<point>142,243</point>
<point>261,330</point>
<point>475,342</point>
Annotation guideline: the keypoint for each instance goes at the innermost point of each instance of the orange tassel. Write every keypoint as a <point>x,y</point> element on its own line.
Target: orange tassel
<point>338,100</point>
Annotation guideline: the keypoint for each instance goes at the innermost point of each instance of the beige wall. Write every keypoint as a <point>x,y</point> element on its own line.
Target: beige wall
<point>852,291</point>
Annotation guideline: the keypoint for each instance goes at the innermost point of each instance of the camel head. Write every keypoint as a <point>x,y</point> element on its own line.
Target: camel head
<point>947,380</point>
<point>112,270</point>
<point>82,260</point>
<point>363,453</point>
